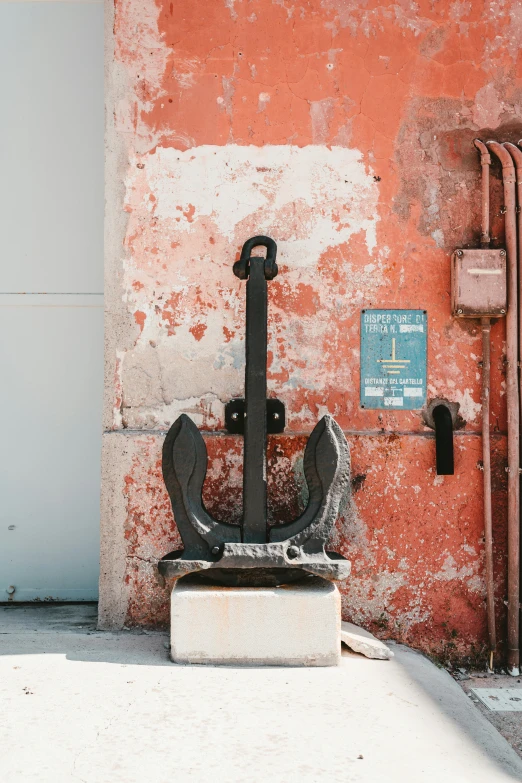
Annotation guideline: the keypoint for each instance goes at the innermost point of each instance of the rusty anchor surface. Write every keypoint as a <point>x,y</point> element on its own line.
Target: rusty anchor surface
<point>251,554</point>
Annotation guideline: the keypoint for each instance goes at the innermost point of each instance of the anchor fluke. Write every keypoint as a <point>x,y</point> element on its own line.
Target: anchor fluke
<point>184,465</point>
<point>326,467</point>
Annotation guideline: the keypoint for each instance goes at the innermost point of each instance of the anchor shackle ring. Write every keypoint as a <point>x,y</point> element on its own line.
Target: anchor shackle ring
<point>242,267</point>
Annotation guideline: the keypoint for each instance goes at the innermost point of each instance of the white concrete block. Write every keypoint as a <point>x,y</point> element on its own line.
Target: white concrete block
<point>293,625</point>
<point>362,641</point>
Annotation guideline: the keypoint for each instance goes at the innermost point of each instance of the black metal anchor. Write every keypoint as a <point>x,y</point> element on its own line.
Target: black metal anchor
<point>250,554</point>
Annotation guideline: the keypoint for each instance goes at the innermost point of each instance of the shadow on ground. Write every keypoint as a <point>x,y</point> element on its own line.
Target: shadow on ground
<point>405,719</point>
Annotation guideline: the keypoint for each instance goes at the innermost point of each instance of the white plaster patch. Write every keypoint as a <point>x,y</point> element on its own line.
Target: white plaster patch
<point>184,70</point>
<point>460,9</point>
<point>469,409</point>
<point>450,572</point>
<point>118,385</point>
<point>329,190</point>
<point>321,113</point>
<point>190,213</point>
<point>264,98</point>
<point>206,411</point>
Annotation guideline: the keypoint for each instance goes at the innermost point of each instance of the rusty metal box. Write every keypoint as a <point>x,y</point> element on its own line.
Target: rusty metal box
<point>478,283</point>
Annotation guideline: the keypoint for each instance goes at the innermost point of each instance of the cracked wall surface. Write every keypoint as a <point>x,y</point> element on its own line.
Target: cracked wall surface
<point>343,130</point>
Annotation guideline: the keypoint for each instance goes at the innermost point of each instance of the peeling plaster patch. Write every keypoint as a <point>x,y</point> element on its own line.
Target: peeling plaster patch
<point>488,107</point>
<point>118,391</point>
<point>146,56</point>
<point>438,237</point>
<point>206,411</point>
<point>230,5</point>
<point>382,588</point>
<point>327,189</point>
<point>469,409</point>
<point>184,71</point>
<point>512,40</point>
<point>264,98</point>
<point>189,215</point>
<point>460,9</point>
<point>450,571</point>
<point>228,94</point>
<point>507,38</point>
<point>321,113</point>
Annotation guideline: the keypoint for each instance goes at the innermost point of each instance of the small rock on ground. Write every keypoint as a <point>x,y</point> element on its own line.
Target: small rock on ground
<point>361,641</point>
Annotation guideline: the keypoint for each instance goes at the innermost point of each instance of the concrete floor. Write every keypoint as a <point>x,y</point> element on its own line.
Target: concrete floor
<point>82,705</point>
<point>509,724</point>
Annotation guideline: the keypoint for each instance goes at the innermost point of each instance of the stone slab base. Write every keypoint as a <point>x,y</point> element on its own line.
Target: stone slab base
<point>292,625</point>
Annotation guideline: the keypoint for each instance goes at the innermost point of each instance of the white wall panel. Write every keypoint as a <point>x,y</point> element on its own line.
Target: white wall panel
<point>51,345</point>
<point>51,359</point>
<point>51,147</point>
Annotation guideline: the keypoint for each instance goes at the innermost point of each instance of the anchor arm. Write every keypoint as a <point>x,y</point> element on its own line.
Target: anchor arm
<point>327,472</point>
<point>184,466</point>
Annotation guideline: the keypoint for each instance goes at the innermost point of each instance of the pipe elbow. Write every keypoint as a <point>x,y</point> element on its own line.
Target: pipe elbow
<point>515,154</point>
<point>485,157</point>
<point>503,155</point>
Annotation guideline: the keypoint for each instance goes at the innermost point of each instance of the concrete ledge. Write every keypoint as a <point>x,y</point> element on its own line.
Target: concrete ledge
<point>292,625</point>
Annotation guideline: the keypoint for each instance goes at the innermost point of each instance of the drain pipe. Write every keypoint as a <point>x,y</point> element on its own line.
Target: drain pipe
<point>486,464</point>
<point>516,154</point>
<point>485,239</point>
<point>485,162</point>
<point>513,418</point>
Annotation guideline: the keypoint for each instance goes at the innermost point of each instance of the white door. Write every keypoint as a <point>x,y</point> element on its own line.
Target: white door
<point>51,298</point>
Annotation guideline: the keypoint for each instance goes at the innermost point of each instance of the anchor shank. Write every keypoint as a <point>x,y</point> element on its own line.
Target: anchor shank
<point>254,460</point>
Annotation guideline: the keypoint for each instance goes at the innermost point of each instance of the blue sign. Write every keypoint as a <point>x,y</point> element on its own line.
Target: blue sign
<point>393,359</point>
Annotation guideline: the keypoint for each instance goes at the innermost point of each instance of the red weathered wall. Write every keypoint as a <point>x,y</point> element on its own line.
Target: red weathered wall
<point>343,130</point>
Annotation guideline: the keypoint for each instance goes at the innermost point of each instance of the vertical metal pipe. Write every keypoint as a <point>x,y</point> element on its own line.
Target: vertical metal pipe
<point>254,461</point>
<point>486,462</point>
<point>485,162</point>
<point>485,238</point>
<point>516,154</point>
<point>513,414</point>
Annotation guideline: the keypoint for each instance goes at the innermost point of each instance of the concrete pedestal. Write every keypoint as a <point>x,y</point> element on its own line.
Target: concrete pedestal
<point>292,625</point>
